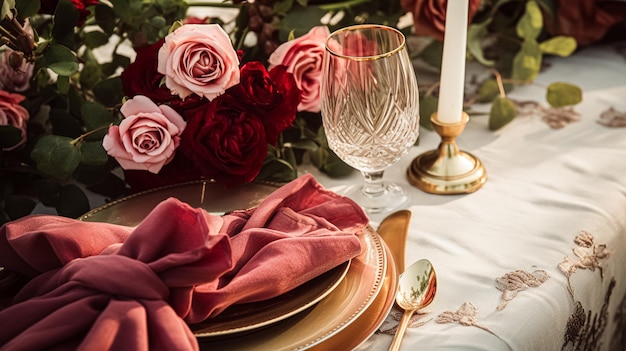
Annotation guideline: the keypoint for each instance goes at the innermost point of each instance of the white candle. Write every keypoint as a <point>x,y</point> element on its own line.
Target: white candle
<point>450,107</point>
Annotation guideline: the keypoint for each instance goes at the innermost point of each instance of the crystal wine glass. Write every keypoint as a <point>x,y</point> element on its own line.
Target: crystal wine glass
<point>370,108</point>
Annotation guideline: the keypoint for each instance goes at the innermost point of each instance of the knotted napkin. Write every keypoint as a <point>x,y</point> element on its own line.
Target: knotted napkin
<point>99,286</point>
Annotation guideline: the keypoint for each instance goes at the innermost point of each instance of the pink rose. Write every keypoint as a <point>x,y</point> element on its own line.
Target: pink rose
<point>200,59</point>
<point>12,114</point>
<point>303,58</point>
<point>147,137</point>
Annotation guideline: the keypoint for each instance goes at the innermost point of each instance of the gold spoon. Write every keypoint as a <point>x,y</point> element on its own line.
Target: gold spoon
<point>416,290</point>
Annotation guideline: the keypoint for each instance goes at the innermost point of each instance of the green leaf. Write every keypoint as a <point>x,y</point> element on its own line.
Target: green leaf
<point>109,92</point>
<point>63,84</point>
<point>64,124</point>
<point>7,6</point>
<point>489,90</point>
<point>561,94</point>
<point>9,136</point>
<point>531,23</point>
<point>93,154</point>
<point>559,45</point>
<point>502,112</point>
<point>428,106</point>
<point>91,74</point>
<point>300,20</point>
<point>334,166</point>
<point>56,156</point>
<point>432,53</point>
<point>527,61</point>
<point>72,202</point>
<point>17,206</point>
<point>105,18</point>
<point>95,39</point>
<point>474,43</point>
<point>61,60</point>
<point>95,116</point>
<point>66,18</point>
<point>122,10</point>
<point>25,8</point>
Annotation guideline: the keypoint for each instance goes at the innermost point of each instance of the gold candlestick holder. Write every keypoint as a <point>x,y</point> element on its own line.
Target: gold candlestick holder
<point>447,170</point>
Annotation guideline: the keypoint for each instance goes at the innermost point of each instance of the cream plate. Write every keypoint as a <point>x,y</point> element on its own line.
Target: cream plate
<point>342,306</point>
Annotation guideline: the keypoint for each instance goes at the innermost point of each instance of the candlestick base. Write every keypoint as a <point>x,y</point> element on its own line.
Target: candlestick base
<point>447,170</point>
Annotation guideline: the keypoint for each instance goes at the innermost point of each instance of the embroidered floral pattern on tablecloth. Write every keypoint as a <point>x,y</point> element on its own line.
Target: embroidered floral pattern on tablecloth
<point>466,315</point>
<point>588,256</point>
<point>417,320</point>
<point>555,117</point>
<point>584,328</point>
<point>613,118</point>
<point>514,282</point>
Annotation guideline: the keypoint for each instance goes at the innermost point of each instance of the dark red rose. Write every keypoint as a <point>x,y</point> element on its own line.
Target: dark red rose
<point>586,20</point>
<point>142,78</point>
<point>429,16</point>
<point>225,141</point>
<point>50,6</point>
<point>274,96</point>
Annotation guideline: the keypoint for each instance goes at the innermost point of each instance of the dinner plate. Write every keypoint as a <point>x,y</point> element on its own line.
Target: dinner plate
<point>342,306</point>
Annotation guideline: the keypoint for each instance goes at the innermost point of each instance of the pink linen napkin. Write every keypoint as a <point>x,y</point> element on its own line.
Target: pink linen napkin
<point>101,286</point>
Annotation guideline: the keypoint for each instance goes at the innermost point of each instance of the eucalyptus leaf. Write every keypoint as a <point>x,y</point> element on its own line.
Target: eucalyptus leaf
<point>7,7</point>
<point>474,35</point>
<point>109,92</point>
<point>93,154</point>
<point>17,206</point>
<point>488,90</point>
<point>64,124</point>
<point>24,8</point>
<point>561,94</point>
<point>72,202</point>
<point>105,18</point>
<point>428,106</point>
<point>502,112</point>
<point>559,45</point>
<point>95,39</point>
<point>91,74</point>
<point>61,60</point>
<point>66,18</point>
<point>9,136</point>
<point>531,23</point>
<point>334,166</point>
<point>95,116</point>
<point>303,144</point>
<point>56,156</point>
<point>63,84</point>
<point>527,62</point>
<point>432,53</point>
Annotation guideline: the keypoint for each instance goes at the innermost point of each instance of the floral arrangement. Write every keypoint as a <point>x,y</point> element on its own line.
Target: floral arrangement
<point>118,96</point>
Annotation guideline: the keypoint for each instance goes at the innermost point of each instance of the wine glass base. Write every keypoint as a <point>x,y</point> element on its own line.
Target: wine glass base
<point>394,197</point>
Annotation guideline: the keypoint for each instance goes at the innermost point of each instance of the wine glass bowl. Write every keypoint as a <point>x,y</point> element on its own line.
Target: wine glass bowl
<point>370,107</point>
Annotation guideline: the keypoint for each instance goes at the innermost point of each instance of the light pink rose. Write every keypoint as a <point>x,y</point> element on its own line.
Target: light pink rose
<point>200,59</point>
<point>147,137</point>
<point>303,57</point>
<point>13,114</point>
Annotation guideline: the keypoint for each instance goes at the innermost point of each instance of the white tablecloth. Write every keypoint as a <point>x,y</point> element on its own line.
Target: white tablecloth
<point>545,188</point>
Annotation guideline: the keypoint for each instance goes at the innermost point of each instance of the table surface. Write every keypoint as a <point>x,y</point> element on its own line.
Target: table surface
<point>551,215</point>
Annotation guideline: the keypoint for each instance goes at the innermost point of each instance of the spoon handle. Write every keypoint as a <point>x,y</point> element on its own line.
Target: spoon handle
<point>404,323</point>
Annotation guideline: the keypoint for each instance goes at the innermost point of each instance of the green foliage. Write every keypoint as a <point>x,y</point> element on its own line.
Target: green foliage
<point>561,94</point>
<point>502,112</point>
<point>56,156</point>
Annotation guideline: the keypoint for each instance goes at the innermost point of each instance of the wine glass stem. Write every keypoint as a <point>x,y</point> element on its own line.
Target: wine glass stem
<point>374,185</point>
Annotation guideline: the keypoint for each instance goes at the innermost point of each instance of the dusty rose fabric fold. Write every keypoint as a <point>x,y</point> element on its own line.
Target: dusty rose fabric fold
<point>98,286</point>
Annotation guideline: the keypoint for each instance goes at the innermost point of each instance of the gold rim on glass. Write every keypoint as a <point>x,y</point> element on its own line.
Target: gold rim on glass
<point>366,26</point>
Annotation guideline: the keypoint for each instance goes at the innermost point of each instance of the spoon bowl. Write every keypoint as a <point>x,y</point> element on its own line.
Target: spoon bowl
<point>416,289</point>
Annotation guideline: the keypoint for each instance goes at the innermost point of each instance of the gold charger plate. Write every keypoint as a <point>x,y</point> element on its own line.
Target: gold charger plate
<point>345,304</point>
